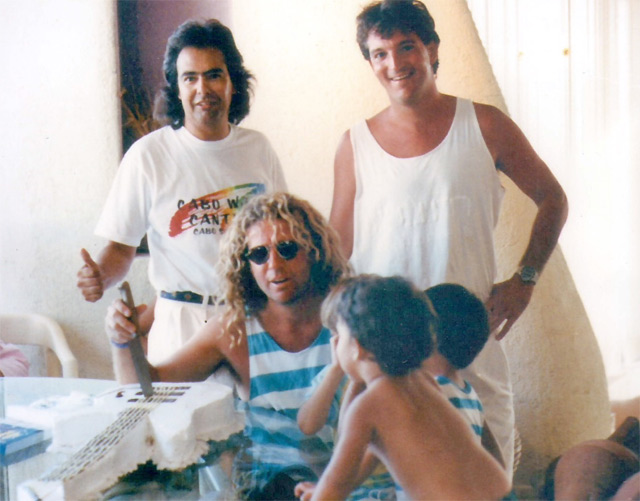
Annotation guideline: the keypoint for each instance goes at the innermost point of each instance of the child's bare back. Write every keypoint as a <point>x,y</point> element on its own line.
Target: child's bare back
<point>425,443</point>
<point>383,329</point>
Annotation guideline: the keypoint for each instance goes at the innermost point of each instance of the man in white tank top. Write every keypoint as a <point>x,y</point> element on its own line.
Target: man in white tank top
<point>416,190</point>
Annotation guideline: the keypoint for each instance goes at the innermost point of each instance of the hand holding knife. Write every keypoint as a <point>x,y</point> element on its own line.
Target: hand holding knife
<point>137,354</point>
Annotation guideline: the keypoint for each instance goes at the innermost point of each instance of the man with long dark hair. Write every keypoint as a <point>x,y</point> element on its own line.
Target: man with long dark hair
<point>182,184</point>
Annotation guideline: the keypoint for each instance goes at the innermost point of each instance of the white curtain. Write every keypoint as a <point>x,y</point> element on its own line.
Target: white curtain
<point>570,74</point>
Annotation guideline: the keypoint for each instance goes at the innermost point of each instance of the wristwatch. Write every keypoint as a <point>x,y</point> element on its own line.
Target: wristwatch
<point>528,274</point>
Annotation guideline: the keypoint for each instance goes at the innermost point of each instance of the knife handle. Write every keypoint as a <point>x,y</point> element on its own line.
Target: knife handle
<point>127,298</point>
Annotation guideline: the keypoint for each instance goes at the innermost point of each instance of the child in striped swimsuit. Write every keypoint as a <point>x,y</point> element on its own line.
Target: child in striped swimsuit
<point>462,331</point>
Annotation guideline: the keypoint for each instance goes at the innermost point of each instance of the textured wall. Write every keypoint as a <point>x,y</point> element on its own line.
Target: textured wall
<point>60,149</point>
<point>558,375</point>
<point>313,84</point>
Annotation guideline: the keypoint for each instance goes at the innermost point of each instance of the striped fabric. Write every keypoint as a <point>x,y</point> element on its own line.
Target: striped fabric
<point>277,443</point>
<point>466,400</point>
<point>280,379</point>
<point>276,447</point>
<point>280,382</point>
<point>377,487</point>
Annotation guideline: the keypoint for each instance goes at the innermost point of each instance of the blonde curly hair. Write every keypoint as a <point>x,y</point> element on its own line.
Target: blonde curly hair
<point>240,294</point>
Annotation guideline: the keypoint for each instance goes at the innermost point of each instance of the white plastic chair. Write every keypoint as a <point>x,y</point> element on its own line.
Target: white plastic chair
<point>36,329</point>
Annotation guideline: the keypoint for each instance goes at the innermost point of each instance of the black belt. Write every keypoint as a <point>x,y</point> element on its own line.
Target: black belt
<point>186,296</point>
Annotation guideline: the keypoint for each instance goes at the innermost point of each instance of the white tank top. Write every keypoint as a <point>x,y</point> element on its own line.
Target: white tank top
<point>428,218</point>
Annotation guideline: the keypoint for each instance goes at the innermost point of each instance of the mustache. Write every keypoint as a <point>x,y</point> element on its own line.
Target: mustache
<point>209,100</point>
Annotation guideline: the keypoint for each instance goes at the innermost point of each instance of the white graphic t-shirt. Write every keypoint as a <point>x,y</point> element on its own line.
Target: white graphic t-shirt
<point>183,193</point>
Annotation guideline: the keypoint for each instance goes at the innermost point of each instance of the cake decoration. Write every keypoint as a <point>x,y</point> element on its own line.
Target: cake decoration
<point>171,428</point>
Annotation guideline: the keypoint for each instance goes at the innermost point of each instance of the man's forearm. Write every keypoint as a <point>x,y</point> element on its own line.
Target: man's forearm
<point>114,261</point>
<point>123,368</point>
<point>551,217</point>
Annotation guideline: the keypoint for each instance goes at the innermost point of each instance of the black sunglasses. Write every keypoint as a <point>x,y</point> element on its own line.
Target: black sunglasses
<point>259,255</point>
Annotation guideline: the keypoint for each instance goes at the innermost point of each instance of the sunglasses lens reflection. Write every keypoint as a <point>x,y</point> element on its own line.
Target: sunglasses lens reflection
<point>286,250</point>
<point>258,255</point>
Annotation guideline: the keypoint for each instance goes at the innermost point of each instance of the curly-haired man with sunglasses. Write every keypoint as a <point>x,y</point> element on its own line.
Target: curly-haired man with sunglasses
<point>278,260</point>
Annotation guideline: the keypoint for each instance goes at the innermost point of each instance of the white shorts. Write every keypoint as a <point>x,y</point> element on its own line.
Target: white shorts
<point>175,322</point>
<point>489,375</point>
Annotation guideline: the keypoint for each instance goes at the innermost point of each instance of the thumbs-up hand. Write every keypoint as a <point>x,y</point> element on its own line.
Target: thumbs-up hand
<point>90,278</point>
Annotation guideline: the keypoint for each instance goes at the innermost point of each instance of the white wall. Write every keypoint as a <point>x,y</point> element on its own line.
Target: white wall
<point>59,151</point>
<point>313,84</point>
<point>573,88</point>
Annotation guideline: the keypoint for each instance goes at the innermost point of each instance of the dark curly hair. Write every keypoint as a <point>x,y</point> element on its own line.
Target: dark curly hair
<point>203,35</point>
<point>388,16</point>
<point>388,316</point>
<point>463,323</point>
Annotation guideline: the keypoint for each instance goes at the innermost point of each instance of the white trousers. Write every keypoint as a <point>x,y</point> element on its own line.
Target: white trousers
<point>489,376</point>
<point>175,322</point>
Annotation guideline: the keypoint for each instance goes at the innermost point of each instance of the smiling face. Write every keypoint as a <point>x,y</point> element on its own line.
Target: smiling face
<point>284,281</point>
<point>205,90</point>
<point>403,65</point>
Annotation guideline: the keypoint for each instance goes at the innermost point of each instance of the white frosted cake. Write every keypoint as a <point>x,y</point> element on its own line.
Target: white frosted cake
<point>171,428</point>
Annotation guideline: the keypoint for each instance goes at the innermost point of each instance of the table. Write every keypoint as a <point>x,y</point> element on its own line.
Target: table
<point>23,391</point>
<point>269,457</point>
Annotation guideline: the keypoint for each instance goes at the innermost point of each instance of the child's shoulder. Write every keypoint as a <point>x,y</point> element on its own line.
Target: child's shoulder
<point>374,395</point>
<point>399,392</point>
<point>412,390</point>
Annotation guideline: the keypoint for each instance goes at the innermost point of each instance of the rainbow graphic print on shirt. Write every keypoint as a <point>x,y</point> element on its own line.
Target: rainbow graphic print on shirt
<point>212,214</point>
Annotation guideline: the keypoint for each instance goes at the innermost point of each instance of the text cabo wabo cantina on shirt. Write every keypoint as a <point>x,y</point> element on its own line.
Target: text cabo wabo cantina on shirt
<point>212,214</point>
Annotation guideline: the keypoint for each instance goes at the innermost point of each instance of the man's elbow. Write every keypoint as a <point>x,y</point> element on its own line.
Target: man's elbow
<point>556,203</point>
<point>123,251</point>
<point>561,202</point>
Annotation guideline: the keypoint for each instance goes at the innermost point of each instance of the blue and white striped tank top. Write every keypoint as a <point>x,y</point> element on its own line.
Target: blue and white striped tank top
<point>466,400</point>
<point>280,382</point>
<point>280,379</point>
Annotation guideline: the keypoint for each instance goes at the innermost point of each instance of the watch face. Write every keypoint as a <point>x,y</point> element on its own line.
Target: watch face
<point>528,274</point>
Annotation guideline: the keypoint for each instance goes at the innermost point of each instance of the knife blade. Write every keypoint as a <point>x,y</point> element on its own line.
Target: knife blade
<point>137,353</point>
